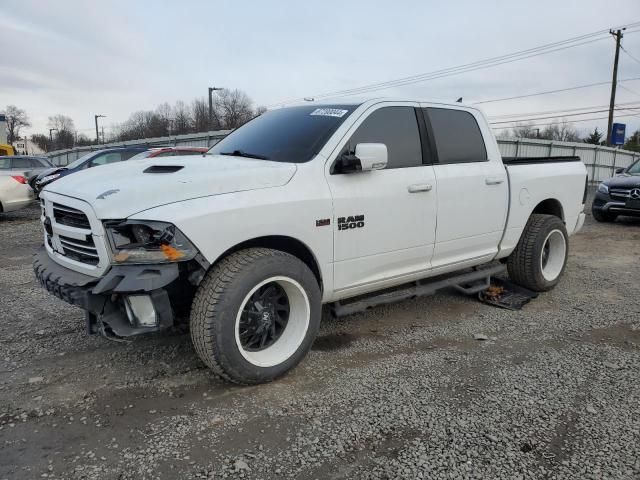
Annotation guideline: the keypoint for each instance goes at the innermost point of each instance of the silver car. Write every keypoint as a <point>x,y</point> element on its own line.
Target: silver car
<point>26,165</point>
<point>15,192</point>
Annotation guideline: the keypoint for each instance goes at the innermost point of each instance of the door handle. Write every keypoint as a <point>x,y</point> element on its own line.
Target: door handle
<point>419,187</point>
<point>493,180</point>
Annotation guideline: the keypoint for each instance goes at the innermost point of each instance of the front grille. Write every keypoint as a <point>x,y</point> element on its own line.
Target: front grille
<point>83,251</point>
<point>71,217</point>
<point>620,193</point>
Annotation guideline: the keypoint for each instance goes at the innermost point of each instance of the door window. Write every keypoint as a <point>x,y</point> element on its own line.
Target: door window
<point>457,136</point>
<point>5,163</point>
<point>106,158</point>
<point>397,128</point>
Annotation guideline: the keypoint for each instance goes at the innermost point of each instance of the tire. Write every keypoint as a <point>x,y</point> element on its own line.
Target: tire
<point>540,257</point>
<point>601,216</point>
<point>229,308</point>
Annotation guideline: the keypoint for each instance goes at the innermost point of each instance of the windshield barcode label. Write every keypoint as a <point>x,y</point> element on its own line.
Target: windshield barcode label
<point>329,112</point>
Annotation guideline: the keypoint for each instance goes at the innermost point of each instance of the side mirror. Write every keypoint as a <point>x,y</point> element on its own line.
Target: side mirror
<point>368,156</point>
<point>619,170</point>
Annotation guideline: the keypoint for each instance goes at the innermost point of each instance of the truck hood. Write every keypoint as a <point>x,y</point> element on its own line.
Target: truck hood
<point>123,189</point>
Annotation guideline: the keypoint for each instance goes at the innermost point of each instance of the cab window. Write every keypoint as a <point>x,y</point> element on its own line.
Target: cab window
<point>397,128</point>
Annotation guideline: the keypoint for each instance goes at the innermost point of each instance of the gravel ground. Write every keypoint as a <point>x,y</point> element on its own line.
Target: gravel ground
<point>403,391</point>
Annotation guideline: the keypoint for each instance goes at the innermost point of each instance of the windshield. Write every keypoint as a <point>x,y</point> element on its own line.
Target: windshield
<point>292,135</point>
<point>80,161</point>
<point>634,169</point>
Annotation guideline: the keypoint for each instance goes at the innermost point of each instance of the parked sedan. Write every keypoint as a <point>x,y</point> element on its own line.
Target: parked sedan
<point>26,165</point>
<point>619,195</point>
<point>90,160</point>
<point>171,152</point>
<point>15,192</point>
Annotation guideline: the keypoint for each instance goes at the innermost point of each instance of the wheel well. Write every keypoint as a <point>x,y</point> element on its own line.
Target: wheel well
<point>550,206</point>
<point>283,243</point>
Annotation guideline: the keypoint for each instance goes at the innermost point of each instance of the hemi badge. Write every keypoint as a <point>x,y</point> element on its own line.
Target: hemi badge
<point>323,222</point>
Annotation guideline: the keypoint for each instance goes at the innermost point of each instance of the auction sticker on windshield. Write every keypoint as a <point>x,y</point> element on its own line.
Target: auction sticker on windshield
<point>329,112</point>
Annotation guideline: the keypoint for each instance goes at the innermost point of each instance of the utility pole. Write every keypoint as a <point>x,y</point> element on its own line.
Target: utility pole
<point>614,81</point>
<point>211,90</point>
<point>103,134</point>
<point>96,117</point>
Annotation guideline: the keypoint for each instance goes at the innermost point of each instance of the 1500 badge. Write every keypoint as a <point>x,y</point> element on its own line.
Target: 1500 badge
<point>346,223</point>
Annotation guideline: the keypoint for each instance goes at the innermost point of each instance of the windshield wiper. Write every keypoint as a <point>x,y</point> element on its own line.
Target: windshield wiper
<point>240,153</point>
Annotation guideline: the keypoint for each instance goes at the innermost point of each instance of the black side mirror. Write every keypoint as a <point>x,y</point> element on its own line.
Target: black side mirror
<point>347,163</point>
<point>619,170</point>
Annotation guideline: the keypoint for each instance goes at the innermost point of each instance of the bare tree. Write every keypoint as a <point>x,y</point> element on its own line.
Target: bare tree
<point>234,108</point>
<point>200,115</point>
<point>563,132</point>
<point>61,122</point>
<point>183,121</point>
<point>525,130</point>
<point>16,120</point>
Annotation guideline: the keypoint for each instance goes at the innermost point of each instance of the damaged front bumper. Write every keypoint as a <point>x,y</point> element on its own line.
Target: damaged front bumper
<point>128,300</point>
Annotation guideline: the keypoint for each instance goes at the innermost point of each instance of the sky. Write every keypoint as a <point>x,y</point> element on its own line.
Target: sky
<point>81,58</point>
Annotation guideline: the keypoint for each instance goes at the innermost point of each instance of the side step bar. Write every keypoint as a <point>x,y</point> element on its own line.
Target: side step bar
<point>468,283</point>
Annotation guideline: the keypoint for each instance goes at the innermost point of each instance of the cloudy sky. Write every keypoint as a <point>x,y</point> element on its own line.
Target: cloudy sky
<point>79,58</point>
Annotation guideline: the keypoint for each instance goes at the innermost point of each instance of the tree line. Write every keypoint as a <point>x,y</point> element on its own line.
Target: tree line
<point>565,132</point>
<point>230,109</point>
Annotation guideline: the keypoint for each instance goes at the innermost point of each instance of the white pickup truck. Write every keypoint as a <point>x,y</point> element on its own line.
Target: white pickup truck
<point>343,205</point>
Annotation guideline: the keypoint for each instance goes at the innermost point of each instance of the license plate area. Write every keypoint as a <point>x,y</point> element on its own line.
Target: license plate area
<point>633,204</point>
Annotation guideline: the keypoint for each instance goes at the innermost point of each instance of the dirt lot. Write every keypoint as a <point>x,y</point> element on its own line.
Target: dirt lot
<point>404,391</point>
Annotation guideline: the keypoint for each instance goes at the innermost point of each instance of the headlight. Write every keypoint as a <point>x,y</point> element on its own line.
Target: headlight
<point>134,241</point>
<point>48,178</point>
<point>602,188</point>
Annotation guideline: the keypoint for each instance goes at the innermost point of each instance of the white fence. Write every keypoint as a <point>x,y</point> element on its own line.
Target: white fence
<point>601,162</point>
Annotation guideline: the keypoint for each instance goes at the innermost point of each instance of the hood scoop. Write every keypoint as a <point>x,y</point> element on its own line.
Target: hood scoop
<point>163,168</point>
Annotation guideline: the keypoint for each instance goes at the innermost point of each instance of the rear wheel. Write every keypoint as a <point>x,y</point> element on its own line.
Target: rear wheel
<point>601,216</point>
<point>255,315</point>
<point>541,254</point>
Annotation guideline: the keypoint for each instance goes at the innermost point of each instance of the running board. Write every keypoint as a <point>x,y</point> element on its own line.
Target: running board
<point>468,283</point>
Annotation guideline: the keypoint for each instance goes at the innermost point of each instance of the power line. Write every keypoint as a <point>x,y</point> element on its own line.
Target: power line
<point>519,120</point>
<point>629,90</point>
<point>573,121</point>
<point>481,64</point>
<point>577,87</point>
<point>630,56</point>
<point>560,110</point>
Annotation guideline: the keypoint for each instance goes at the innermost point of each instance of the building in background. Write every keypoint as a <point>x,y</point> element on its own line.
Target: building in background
<point>3,128</point>
<point>27,147</point>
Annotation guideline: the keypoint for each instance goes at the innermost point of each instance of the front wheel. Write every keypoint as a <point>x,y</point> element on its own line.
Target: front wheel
<point>541,254</point>
<point>255,315</point>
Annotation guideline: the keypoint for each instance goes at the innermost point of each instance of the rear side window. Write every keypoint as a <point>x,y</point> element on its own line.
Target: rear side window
<point>106,158</point>
<point>128,155</point>
<point>457,136</point>
<point>397,128</point>
<point>21,163</point>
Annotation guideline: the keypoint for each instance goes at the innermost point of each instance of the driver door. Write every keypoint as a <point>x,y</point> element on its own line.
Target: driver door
<point>384,221</point>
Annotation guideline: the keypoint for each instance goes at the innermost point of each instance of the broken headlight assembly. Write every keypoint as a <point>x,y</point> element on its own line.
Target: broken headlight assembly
<point>139,241</point>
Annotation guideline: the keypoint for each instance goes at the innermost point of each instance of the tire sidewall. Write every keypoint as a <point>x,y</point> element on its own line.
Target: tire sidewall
<point>230,357</point>
<point>552,223</point>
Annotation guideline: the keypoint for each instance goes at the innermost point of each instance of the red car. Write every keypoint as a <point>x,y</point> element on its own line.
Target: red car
<point>170,152</point>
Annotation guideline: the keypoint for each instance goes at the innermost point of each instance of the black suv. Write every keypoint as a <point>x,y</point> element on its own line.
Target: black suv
<point>619,195</point>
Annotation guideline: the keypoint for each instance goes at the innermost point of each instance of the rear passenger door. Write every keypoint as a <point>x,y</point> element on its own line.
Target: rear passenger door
<point>472,189</point>
<point>393,211</point>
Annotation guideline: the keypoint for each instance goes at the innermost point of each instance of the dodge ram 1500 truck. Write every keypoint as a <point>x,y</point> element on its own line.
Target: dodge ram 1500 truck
<point>344,205</point>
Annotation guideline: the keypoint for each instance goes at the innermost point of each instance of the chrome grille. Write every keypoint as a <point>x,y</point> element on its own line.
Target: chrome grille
<point>620,193</point>
<point>71,217</point>
<point>81,251</point>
